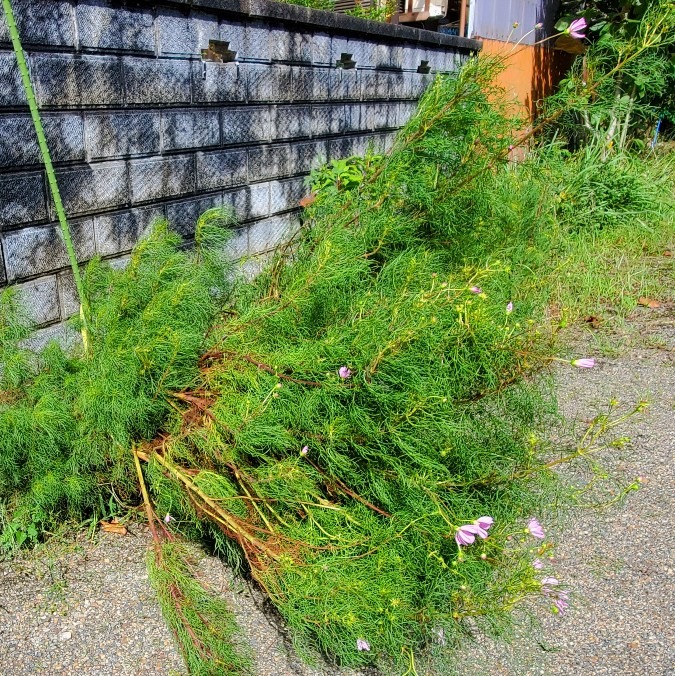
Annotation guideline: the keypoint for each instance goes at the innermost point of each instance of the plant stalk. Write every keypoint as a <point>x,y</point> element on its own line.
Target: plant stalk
<point>51,176</point>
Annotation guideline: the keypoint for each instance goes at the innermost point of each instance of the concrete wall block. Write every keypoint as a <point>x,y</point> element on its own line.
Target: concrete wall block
<point>341,148</point>
<point>321,50</point>
<point>159,177</point>
<point>183,215</point>
<point>19,146</point>
<point>63,80</point>
<point>221,169</point>
<point>35,250</point>
<point>395,84</point>
<point>119,232</point>
<point>234,33</point>
<point>237,247</point>
<point>307,156</point>
<point>190,129</point>
<point>121,133</point>
<point>44,22</point>
<point>251,201</point>
<point>409,58</point>
<point>22,199</point>
<point>290,46</point>
<point>269,233</point>
<point>369,84</point>
<point>258,42</point>
<point>40,299</point>
<point>345,85</point>
<point>333,119</point>
<point>180,32</point>
<point>69,301</point>
<point>102,25</point>
<point>377,116</point>
<point>245,125</point>
<point>151,81</point>
<point>269,83</point>
<point>267,162</point>
<point>364,52</point>
<point>339,45</point>
<point>291,122</point>
<point>351,117</point>
<point>94,187</point>
<point>311,84</point>
<point>406,109</point>
<point>408,84</point>
<point>11,92</point>
<point>216,82</point>
<point>388,55</point>
<point>285,195</point>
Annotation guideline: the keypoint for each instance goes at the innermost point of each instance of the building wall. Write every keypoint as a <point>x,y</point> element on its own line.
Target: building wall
<point>140,127</point>
<point>531,72</point>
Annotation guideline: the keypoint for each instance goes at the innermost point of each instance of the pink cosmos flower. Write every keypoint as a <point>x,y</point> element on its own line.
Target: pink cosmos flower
<point>549,581</point>
<point>475,289</point>
<point>168,518</point>
<point>576,28</point>
<point>583,363</point>
<point>466,535</point>
<point>509,308</point>
<point>561,606</point>
<point>536,529</point>
<point>484,522</point>
<point>344,372</point>
<point>362,644</point>
<point>305,450</point>
<point>537,564</point>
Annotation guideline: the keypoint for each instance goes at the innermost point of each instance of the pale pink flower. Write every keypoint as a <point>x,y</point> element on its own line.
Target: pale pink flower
<point>362,644</point>
<point>561,606</point>
<point>475,289</point>
<point>466,535</point>
<point>536,529</point>
<point>509,308</point>
<point>344,372</point>
<point>484,522</point>
<point>538,26</point>
<point>576,28</point>
<point>168,518</point>
<point>583,363</point>
<point>305,450</point>
<point>537,564</point>
<point>549,581</point>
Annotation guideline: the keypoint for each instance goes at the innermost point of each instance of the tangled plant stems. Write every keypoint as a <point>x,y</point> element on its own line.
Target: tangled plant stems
<point>334,426</point>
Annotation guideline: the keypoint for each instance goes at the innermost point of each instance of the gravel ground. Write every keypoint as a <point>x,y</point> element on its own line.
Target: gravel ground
<point>87,607</point>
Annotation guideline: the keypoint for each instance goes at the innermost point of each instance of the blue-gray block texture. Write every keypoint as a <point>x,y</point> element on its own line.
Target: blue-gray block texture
<point>141,127</point>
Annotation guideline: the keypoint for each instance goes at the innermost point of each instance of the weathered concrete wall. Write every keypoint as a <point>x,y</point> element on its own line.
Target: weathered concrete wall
<point>141,127</point>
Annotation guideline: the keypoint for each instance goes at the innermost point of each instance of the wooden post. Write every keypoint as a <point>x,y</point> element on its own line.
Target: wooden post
<point>462,18</point>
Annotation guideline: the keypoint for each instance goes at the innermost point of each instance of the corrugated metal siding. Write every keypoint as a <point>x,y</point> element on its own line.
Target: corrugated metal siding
<point>494,19</point>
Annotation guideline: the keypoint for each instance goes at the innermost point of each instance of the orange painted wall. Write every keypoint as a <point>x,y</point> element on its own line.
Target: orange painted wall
<point>531,72</point>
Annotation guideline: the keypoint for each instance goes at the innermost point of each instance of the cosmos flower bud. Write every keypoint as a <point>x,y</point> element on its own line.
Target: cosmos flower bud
<point>583,363</point>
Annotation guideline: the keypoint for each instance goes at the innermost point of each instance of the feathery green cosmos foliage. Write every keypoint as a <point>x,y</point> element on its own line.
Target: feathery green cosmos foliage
<point>202,623</point>
<point>328,425</point>
<point>67,424</point>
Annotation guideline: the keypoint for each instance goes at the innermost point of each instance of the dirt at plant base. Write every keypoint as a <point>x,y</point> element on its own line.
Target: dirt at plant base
<point>83,607</point>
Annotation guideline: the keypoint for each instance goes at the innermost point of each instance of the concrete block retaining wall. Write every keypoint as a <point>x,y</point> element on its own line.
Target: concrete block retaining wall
<point>141,127</point>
